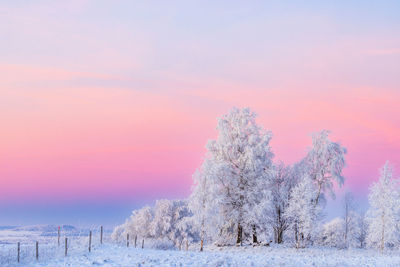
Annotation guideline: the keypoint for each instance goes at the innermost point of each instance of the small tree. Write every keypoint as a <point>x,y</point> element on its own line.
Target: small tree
<point>302,213</point>
<point>361,233</point>
<point>349,220</point>
<point>204,201</point>
<point>383,214</point>
<point>282,182</point>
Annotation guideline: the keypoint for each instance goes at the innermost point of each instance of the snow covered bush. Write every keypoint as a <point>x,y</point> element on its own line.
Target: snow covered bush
<point>164,224</point>
<point>333,233</point>
<point>137,225</point>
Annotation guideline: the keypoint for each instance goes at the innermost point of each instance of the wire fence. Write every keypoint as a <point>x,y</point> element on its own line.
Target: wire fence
<point>47,247</point>
<point>43,247</point>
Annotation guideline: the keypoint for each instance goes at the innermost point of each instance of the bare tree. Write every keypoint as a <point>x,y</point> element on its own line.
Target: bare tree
<point>348,216</point>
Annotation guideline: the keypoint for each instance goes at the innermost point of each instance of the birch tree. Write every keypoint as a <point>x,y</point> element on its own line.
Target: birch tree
<point>242,147</point>
<point>324,163</point>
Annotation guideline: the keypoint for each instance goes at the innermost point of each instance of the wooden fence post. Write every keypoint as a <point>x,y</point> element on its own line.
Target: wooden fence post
<point>58,234</point>
<point>18,251</point>
<point>66,246</point>
<point>90,240</point>
<point>101,234</point>
<point>37,250</point>
<point>187,245</point>
<point>142,243</point>
<point>127,240</point>
<point>135,240</point>
<point>201,245</point>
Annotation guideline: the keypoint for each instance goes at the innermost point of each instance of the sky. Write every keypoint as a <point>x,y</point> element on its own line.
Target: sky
<point>106,106</point>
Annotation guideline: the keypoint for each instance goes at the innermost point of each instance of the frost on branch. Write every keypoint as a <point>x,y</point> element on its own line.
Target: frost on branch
<point>324,163</point>
<point>243,153</point>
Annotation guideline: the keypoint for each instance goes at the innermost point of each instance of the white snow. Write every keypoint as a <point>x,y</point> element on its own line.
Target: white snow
<point>117,254</point>
<point>114,255</point>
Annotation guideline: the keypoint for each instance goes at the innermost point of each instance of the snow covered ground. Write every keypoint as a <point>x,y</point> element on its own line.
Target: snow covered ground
<point>46,235</point>
<point>117,255</point>
<point>111,254</point>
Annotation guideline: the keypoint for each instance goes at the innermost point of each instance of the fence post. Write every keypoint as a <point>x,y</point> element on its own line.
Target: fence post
<point>18,251</point>
<point>37,250</point>
<point>143,243</point>
<point>127,240</point>
<point>66,246</point>
<point>101,234</point>
<point>135,240</point>
<point>187,245</point>
<point>90,240</point>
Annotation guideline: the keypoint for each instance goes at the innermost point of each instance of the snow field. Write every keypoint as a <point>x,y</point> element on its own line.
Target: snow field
<point>114,255</point>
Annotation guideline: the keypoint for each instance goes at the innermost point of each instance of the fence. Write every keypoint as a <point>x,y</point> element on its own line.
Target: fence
<point>49,247</point>
<point>52,247</point>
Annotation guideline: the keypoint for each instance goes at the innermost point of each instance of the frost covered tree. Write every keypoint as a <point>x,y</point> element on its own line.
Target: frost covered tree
<point>239,194</point>
<point>276,199</point>
<point>202,201</point>
<point>301,213</point>
<point>324,163</point>
<point>242,149</point>
<point>361,234</point>
<point>264,211</point>
<point>168,220</point>
<point>383,215</point>
<point>138,224</point>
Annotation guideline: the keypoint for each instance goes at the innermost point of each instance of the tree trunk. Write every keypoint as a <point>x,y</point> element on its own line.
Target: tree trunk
<point>383,233</point>
<point>301,238</point>
<point>279,231</point>
<point>280,236</point>
<point>318,195</point>
<point>239,234</point>
<point>254,234</point>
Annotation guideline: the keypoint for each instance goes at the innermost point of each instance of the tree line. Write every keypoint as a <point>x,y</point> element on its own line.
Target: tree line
<point>240,195</point>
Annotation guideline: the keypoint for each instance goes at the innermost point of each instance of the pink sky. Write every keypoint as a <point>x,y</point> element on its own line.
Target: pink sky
<point>101,105</point>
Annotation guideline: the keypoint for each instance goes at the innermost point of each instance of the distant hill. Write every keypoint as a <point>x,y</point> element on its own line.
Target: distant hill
<point>7,227</point>
<point>46,228</point>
